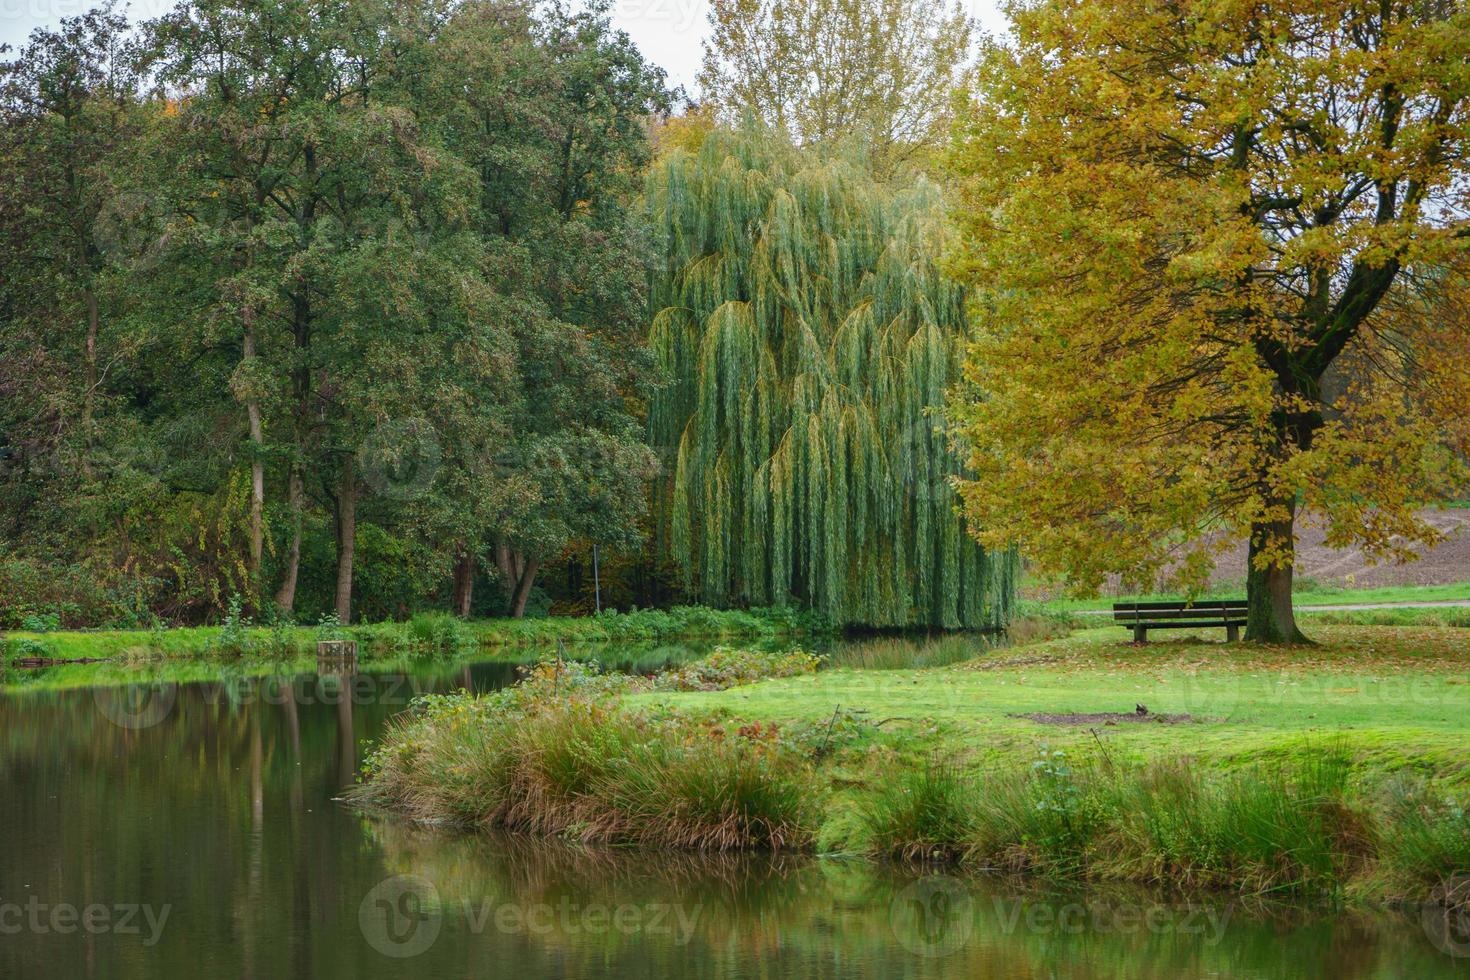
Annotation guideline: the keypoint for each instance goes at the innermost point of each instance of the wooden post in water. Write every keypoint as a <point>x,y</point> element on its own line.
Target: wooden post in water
<point>338,650</point>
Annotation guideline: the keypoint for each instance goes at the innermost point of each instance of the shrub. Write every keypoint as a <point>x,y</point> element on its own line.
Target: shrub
<point>234,634</point>
<point>329,627</point>
<point>26,648</point>
<point>41,623</point>
<point>439,631</point>
<point>726,668</point>
<point>73,595</point>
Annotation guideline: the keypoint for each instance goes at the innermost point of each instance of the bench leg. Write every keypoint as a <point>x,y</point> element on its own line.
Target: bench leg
<point>1232,634</point>
<point>1140,634</point>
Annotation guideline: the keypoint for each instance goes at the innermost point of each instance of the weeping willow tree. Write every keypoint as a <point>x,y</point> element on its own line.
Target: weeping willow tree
<point>809,338</point>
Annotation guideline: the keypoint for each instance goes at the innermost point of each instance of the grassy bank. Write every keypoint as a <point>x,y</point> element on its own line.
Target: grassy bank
<point>1306,595</point>
<point>437,632</point>
<point>1342,768</point>
<point>557,755</point>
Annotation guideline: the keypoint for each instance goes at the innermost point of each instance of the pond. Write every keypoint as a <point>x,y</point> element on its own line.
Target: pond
<point>190,828</point>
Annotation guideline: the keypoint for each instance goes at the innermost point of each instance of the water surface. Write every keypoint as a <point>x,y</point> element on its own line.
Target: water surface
<point>191,830</point>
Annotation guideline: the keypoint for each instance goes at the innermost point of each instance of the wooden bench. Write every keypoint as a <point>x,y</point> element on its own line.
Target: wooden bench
<point>1145,616</point>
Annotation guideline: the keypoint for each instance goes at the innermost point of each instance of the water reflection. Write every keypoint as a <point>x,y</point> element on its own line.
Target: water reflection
<point>204,841</point>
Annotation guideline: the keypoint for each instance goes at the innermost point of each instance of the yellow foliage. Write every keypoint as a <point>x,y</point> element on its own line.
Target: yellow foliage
<point>1219,249</point>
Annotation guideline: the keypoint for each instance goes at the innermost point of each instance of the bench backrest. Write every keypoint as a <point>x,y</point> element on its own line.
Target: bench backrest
<point>1184,612</point>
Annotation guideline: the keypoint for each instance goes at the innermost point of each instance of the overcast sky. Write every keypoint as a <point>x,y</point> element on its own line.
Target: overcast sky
<point>669,32</point>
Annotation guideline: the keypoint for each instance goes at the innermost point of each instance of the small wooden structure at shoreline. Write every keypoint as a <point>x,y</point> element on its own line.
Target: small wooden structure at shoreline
<point>336,651</point>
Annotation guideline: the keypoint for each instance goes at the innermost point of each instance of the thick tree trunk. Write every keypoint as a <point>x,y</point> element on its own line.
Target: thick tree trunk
<point>464,584</point>
<point>523,584</point>
<point>1271,617</point>
<point>286,595</point>
<point>506,569</point>
<point>257,464</point>
<point>503,565</point>
<point>346,539</point>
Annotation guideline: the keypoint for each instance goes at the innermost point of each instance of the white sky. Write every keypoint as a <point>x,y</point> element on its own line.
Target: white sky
<point>669,32</point>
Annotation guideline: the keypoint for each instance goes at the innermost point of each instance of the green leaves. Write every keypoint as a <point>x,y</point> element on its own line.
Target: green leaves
<point>808,340</point>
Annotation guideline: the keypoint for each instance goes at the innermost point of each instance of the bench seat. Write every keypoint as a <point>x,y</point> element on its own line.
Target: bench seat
<point>1204,613</point>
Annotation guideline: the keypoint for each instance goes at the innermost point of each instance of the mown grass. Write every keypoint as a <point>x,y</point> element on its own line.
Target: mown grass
<point>1312,594</point>
<point>1458,616</point>
<point>1400,697</point>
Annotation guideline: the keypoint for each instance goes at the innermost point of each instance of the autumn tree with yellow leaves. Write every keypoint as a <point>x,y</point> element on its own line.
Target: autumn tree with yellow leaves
<point>1218,247</point>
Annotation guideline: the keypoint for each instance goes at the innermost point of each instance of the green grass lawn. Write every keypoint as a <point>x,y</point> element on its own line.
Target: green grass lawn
<point>1316,596</point>
<point>1395,698</point>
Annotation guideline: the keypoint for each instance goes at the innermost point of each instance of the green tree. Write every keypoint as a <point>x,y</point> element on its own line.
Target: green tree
<point>68,106</point>
<point>1186,219</point>
<point>808,338</point>
<point>333,228</point>
<point>878,74</point>
<point>551,112</point>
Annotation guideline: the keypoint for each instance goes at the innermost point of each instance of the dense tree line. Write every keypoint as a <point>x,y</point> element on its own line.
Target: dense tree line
<point>302,300</point>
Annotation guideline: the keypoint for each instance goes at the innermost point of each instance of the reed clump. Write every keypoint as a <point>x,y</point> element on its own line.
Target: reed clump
<point>1298,828</point>
<point>560,755</point>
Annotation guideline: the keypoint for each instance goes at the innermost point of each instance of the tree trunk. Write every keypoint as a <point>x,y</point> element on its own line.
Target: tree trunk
<point>523,585</point>
<point>1271,617</point>
<point>464,584</point>
<point>286,595</point>
<point>257,464</point>
<point>89,397</point>
<point>503,566</point>
<point>346,539</point>
<point>93,321</point>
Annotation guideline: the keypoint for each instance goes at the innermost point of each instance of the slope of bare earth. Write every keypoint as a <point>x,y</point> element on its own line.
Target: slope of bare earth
<point>1447,563</point>
<point>1444,564</point>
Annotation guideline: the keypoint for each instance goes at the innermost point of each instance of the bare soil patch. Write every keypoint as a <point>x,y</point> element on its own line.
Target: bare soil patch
<point>1105,718</point>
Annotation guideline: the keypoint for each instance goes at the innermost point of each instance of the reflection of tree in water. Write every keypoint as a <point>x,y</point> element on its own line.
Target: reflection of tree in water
<point>805,916</point>
<point>224,810</point>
